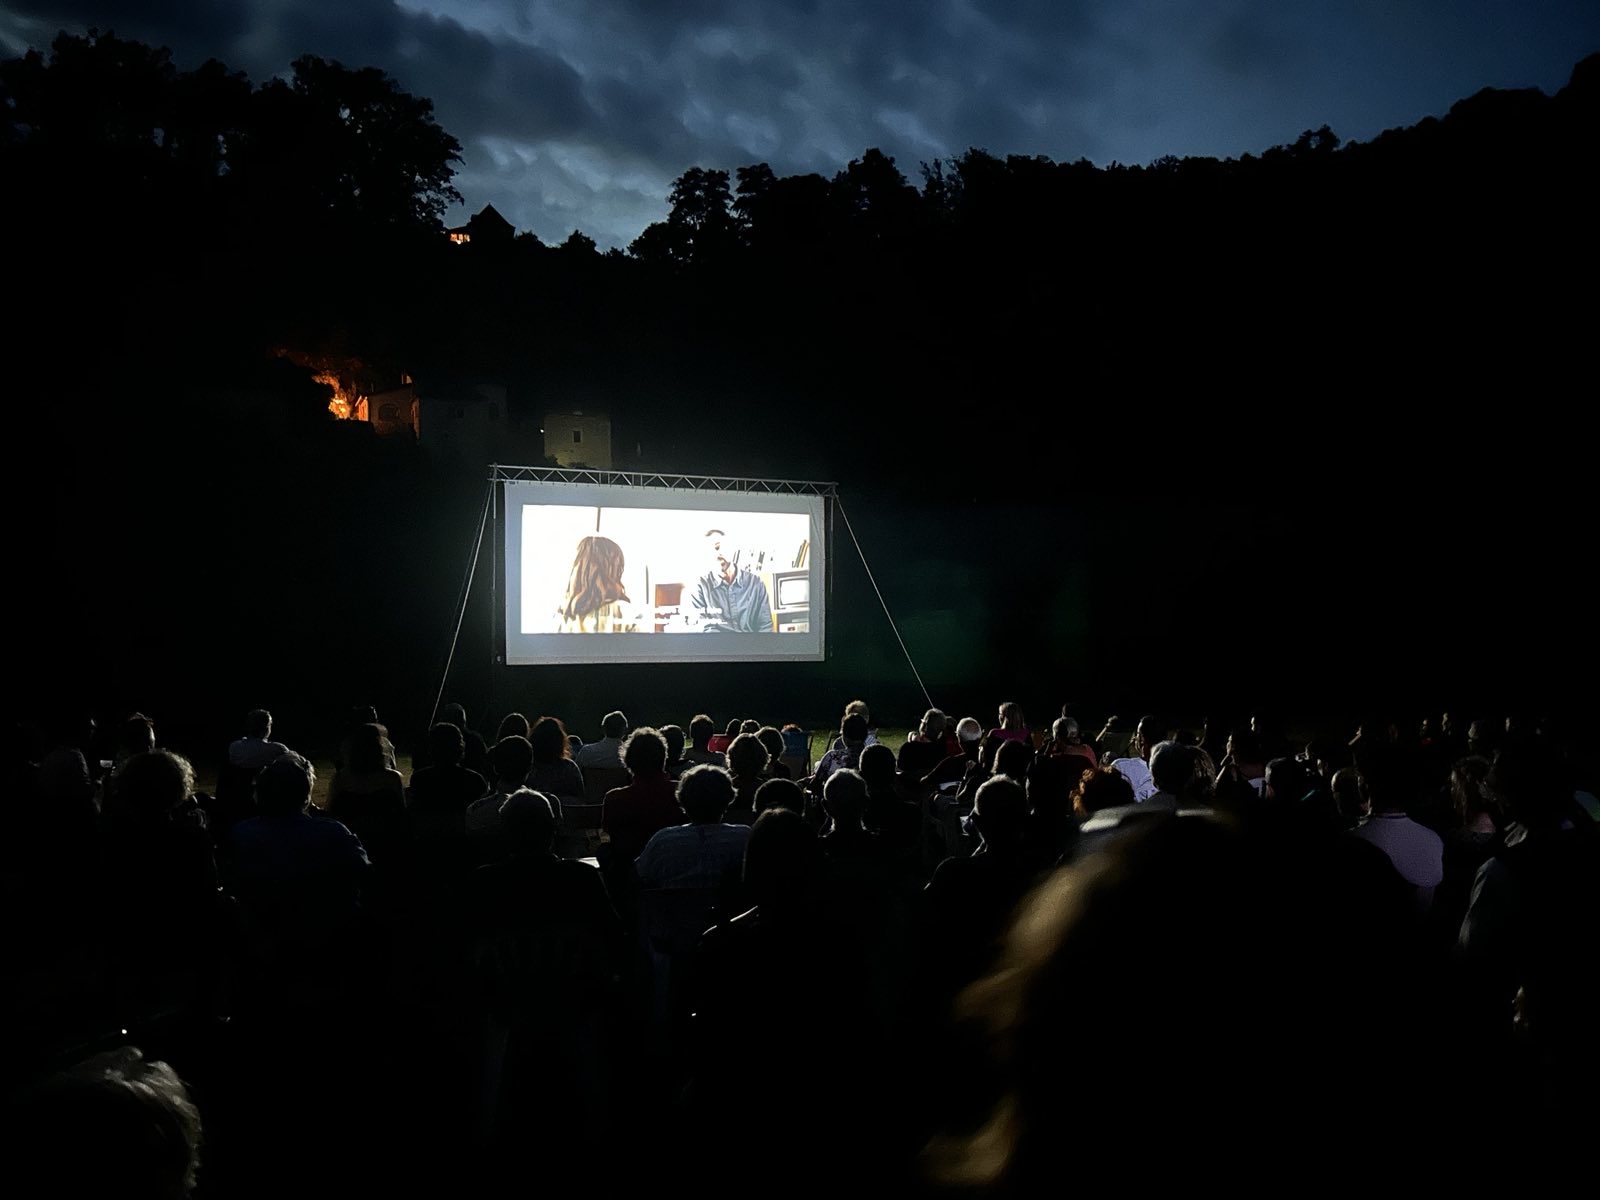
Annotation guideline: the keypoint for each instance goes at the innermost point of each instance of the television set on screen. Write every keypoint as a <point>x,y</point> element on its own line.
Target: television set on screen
<point>794,589</point>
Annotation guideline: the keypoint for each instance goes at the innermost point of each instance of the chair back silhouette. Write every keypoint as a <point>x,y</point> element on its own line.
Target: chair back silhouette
<point>597,781</point>
<point>671,922</point>
<point>799,765</point>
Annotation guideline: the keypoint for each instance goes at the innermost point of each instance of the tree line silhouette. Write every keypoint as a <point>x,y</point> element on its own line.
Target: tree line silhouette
<point>1319,345</point>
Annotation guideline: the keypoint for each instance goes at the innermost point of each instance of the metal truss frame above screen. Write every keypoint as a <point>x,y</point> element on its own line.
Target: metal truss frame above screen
<point>501,473</point>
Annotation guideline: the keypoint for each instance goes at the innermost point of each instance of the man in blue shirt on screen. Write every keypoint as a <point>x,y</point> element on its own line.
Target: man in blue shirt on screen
<point>729,599</point>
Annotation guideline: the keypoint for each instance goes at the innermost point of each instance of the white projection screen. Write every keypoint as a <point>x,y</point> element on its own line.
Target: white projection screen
<point>666,574</point>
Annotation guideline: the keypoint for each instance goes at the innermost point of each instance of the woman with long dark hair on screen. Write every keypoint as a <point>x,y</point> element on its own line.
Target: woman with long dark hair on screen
<point>594,591</point>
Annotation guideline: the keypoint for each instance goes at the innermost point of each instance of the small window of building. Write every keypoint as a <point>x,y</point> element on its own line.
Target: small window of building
<point>577,436</point>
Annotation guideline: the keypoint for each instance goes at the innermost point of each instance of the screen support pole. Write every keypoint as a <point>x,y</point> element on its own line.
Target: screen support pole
<point>461,605</point>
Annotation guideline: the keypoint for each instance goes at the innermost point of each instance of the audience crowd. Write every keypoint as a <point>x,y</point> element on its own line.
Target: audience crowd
<point>681,962</point>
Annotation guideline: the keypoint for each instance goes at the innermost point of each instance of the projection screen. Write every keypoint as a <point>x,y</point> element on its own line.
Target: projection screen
<point>666,574</point>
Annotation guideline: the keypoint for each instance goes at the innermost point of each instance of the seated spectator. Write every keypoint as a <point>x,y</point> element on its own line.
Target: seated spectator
<point>1101,789</point>
<point>440,795</point>
<point>137,736</point>
<point>925,748</point>
<point>772,738</point>
<point>1350,797</point>
<point>607,752</point>
<point>545,928</point>
<point>780,793</point>
<point>704,852</point>
<point>1527,942</point>
<point>1245,756</point>
<point>161,872</point>
<point>845,754</point>
<point>700,751</point>
<point>747,764</point>
<point>256,748</point>
<point>362,715</point>
<point>295,873</point>
<point>786,955</point>
<point>856,708</point>
<point>1145,930</point>
<point>1067,738</point>
<point>115,1124</point>
<point>553,771</point>
<point>511,760</point>
<point>676,764</point>
<point>1136,764</point>
<point>1416,851</point>
<point>969,900</point>
<point>648,804</point>
<point>848,843</point>
<point>969,733</point>
<point>1172,765</point>
<point>894,819</point>
<point>513,725</point>
<point>1012,727</point>
<point>448,786</point>
<point>368,795</point>
<point>476,757</point>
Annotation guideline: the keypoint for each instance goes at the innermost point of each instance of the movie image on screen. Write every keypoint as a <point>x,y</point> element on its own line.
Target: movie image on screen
<point>664,575</point>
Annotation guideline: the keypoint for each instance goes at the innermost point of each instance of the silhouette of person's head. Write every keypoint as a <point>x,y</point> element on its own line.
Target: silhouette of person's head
<point>877,768</point>
<point>115,1124</point>
<point>614,725</point>
<point>1349,795</point>
<point>1000,812</point>
<point>674,736</point>
<point>446,744</point>
<point>1012,759</point>
<point>701,730</point>
<point>1172,766</point>
<point>1150,732</point>
<point>933,724</point>
<point>1286,780</point>
<point>781,860</point>
<point>781,793</point>
<point>844,799</point>
<point>1101,788</point>
<point>513,725</point>
<point>548,740</point>
<point>747,757</point>
<point>1010,715</point>
<point>772,738</point>
<point>455,714</point>
<point>529,821</point>
<point>258,724</point>
<point>512,758</point>
<point>853,729</point>
<point>367,748</point>
<point>1470,792</point>
<point>137,736</point>
<point>149,786</point>
<point>284,786</point>
<point>749,725</point>
<point>645,752</point>
<point>704,793</point>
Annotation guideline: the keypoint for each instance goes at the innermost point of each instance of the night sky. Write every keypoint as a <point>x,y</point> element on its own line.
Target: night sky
<point>580,114</point>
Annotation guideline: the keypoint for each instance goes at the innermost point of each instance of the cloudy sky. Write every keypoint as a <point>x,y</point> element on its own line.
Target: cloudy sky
<point>579,114</point>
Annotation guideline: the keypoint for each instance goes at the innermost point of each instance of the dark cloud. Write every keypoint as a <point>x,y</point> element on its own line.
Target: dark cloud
<point>579,113</point>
